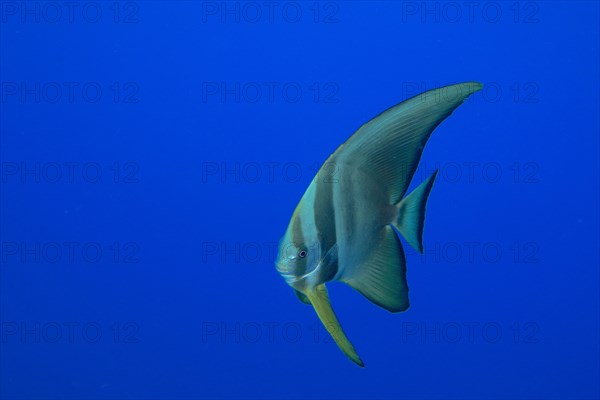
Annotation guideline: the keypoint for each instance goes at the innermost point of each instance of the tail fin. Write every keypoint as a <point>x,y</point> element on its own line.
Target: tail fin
<point>411,213</point>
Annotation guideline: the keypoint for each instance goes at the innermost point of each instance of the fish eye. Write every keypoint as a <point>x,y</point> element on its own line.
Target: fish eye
<point>302,253</point>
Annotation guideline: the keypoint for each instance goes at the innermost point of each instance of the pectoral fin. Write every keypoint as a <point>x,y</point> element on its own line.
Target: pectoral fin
<point>320,301</point>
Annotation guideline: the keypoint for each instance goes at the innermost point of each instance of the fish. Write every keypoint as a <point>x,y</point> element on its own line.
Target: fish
<point>348,223</point>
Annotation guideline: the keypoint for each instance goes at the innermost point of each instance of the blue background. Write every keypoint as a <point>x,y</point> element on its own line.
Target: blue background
<point>504,304</point>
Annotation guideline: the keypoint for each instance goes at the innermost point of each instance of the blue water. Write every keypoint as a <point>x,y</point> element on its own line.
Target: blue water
<point>152,153</point>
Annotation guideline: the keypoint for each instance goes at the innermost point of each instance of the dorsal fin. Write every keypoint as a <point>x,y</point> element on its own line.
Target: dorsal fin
<point>389,146</point>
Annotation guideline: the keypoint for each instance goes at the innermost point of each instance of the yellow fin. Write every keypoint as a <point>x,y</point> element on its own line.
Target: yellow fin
<point>320,301</point>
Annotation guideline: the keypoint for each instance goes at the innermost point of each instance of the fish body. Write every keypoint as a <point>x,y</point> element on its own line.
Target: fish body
<point>344,227</point>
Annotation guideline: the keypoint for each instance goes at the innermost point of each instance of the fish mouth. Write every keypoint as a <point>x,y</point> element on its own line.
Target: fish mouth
<point>283,270</point>
<point>289,277</point>
<point>293,279</point>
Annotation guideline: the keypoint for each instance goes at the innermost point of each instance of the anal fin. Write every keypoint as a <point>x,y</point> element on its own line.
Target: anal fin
<point>382,278</point>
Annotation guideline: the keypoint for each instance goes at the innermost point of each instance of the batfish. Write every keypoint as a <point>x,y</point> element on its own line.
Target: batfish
<point>345,226</point>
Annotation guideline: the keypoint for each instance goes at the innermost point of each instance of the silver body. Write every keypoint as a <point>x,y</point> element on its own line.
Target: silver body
<point>342,227</point>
